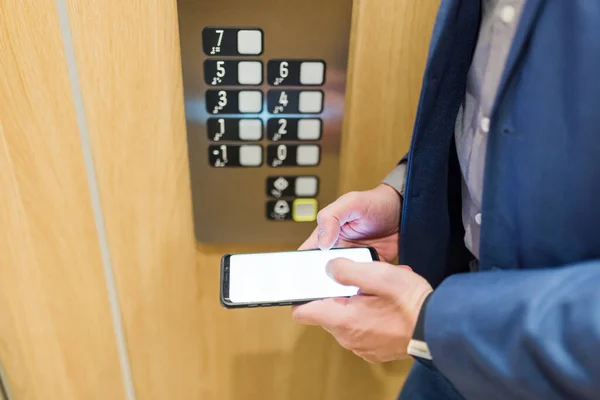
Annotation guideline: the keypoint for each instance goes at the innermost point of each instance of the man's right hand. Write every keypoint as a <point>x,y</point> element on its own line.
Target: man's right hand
<point>367,218</point>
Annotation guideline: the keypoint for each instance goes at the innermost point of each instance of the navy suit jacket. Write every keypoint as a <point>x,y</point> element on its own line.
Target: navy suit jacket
<point>526,324</point>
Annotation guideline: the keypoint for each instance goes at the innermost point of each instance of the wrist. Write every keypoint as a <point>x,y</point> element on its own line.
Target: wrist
<point>419,330</point>
<point>417,346</point>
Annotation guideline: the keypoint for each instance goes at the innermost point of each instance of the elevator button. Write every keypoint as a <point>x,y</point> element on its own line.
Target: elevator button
<point>280,186</point>
<point>279,210</point>
<point>290,155</point>
<point>250,155</point>
<point>310,102</point>
<point>292,186</point>
<point>308,155</point>
<point>249,72</point>
<point>288,72</point>
<point>306,186</point>
<point>249,42</point>
<point>250,129</point>
<point>309,129</point>
<point>304,210</point>
<point>312,73</point>
<point>250,101</point>
<point>222,155</point>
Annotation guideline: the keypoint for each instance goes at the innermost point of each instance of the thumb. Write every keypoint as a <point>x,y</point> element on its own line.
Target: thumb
<point>347,208</point>
<point>375,278</point>
<point>329,227</point>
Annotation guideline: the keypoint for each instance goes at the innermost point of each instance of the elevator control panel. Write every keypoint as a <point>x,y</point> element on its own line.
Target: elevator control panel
<point>264,86</point>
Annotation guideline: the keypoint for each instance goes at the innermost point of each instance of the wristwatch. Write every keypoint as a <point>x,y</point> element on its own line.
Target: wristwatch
<point>417,346</point>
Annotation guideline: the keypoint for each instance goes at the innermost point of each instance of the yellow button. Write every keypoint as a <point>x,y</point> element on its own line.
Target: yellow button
<point>304,210</point>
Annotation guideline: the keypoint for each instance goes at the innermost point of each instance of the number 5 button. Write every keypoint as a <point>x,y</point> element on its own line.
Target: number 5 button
<point>226,72</point>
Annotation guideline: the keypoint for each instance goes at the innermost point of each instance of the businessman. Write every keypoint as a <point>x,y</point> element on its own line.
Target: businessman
<point>494,214</point>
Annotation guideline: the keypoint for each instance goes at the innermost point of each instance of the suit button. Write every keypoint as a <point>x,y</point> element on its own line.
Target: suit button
<point>478,218</point>
<point>484,124</point>
<point>507,14</point>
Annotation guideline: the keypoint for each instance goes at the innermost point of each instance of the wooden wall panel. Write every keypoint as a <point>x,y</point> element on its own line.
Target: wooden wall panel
<point>56,335</point>
<point>130,73</point>
<point>387,56</point>
<point>181,343</point>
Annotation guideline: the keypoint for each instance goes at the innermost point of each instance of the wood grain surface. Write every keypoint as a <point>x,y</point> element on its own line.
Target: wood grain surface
<point>130,73</point>
<point>388,52</point>
<point>56,336</point>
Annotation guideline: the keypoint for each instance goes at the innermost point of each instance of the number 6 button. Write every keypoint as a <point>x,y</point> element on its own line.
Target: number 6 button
<point>296,72</point>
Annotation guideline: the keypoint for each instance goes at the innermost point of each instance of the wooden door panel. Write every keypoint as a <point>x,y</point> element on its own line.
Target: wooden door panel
<point>129,68</point>
<point>56,334</point>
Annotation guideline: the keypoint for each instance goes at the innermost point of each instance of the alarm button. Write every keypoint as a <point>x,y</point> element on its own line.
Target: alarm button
<point>304,210</point>
<point>306,186</point>
<point>312,73</point>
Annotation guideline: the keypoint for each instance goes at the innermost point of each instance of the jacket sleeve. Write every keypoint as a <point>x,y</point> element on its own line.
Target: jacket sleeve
<point>516,334</point>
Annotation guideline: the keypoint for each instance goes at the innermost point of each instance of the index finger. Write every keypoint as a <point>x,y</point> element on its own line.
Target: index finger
<point>325,313</point>
<point>312,242</point>
<point>375,278</point>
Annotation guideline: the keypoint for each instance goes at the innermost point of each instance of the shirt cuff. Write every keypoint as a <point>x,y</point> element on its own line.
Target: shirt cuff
<point>397,178</point>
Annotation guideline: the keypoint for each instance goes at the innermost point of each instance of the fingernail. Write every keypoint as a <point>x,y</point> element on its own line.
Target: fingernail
<point>329,270</point>
<point>324,241</point>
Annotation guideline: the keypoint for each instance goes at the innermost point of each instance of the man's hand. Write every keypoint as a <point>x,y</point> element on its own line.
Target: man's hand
<point>378,323</point>
<point>368,218</point>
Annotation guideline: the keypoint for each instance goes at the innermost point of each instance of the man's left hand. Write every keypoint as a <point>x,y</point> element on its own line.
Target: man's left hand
<point>377,323</point>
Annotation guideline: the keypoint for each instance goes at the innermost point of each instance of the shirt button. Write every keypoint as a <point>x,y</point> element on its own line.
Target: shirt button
<point>507,14</point>
<point>484,124</point>
<point>478,218</point>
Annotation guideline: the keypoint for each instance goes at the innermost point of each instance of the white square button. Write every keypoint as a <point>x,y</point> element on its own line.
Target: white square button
<point>312,73</point>
<point>249,72</point>
<point>249,41</point>
<point>250,101</point>
<point>306,186</point>
<point>250,129</point>
<point>309,129</point>
<point>310,102</point>
<point>250,155</point>
<point>308,154</point>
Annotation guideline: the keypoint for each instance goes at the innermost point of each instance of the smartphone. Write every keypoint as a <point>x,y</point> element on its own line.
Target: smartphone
<point>285,278</point>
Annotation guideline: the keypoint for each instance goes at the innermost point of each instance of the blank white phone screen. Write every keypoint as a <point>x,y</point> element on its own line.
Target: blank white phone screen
<point>284,276</point>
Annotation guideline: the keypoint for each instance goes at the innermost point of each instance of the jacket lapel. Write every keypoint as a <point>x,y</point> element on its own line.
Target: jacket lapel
<point>531,10</point>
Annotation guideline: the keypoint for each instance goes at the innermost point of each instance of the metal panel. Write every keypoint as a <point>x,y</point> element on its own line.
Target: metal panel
<point>230,203</point>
